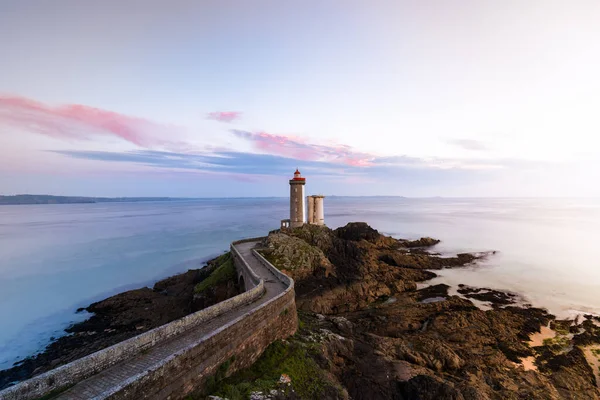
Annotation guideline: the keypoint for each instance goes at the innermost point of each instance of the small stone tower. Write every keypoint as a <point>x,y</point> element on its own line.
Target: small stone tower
<point>297,200</point>
<point>316,212</point>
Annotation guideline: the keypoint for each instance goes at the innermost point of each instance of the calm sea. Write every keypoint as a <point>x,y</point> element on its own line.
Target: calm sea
<point>56,258</point>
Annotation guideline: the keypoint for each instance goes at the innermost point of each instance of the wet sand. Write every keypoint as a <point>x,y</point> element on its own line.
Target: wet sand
<point>537,339</point>
<point>593,360</point>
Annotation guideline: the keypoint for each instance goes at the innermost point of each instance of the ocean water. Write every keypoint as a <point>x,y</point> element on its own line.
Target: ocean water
<point>57,258</point>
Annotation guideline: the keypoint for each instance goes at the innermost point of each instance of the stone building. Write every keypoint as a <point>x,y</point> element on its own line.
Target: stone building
<point>315,212</point>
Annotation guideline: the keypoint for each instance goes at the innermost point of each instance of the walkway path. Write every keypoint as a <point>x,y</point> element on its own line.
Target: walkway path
<point>117,376</point>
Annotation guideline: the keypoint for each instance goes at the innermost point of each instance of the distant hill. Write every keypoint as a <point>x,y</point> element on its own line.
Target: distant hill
<point>47,199</point>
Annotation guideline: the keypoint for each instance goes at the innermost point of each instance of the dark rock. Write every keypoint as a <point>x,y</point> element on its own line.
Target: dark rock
<point>423,242</point>
<point>426,387</point>
<point>425,260</point>
<point>351,267</point>
<point>414,349</point>
<point>440,290</point>
<point>496,297</point>
<point>356,231</point>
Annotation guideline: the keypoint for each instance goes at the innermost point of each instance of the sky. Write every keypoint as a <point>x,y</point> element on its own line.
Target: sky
<point>227,98</point>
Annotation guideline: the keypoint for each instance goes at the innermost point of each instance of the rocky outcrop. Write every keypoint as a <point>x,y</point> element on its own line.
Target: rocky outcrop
<point>351,267</point>
<point>426,260</point>
<point>445,350</point>
<point>494,297</point>
<point>372,332</point>
<point>218,283</point>
<point>296,258</point>
<point>423,242</point>
<point>358,231</point>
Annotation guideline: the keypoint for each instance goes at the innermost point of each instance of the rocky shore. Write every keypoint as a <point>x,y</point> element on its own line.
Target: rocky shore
<point>130,313</point>
<point>366,332</point>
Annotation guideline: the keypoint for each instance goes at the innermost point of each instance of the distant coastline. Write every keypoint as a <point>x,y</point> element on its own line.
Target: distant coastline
<point>27,199</point>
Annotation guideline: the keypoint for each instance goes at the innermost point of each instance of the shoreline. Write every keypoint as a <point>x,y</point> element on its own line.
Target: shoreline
<point>99,331</point>
<point>130,289</point>
<point>564,306</point>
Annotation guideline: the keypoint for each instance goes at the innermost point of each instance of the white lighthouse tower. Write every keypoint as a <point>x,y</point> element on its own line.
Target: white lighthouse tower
<point>297,200</point>
<point>298,212</point>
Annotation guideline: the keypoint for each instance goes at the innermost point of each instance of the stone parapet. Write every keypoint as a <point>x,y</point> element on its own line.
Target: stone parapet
<point>246,336</point>
<point>280,275</point>
<point>241,342</point>
<point>243,268</point>
<point>78,370</point>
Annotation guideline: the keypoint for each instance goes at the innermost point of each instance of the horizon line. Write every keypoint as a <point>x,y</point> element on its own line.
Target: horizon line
<point>284,197</point>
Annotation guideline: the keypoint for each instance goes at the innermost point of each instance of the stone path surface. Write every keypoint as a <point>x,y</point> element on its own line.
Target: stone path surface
<point>107,382</point>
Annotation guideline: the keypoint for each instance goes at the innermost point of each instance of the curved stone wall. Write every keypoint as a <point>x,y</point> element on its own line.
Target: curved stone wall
<point>241,342</point>
<point>280,275</point>
<point>246,337</point>
<point>251,279</point>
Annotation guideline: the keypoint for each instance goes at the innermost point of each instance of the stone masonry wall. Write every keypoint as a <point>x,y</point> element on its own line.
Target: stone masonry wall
<point>242,268</point>
<point>246,339</point>
<point>79,370</point>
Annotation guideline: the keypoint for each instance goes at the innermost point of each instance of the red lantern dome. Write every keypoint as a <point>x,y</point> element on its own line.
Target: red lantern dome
<point>298,176</point>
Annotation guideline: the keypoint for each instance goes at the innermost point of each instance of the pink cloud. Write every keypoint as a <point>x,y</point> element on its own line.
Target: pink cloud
<point>225,116</point>
<point>75,121</point>
<point>293,147</point>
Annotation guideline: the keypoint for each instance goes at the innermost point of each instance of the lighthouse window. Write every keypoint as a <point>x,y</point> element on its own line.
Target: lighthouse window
<point>296,190</point>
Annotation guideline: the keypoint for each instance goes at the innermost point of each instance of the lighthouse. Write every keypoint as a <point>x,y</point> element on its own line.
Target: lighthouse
<point>315,215</point>
<point>297,200</point>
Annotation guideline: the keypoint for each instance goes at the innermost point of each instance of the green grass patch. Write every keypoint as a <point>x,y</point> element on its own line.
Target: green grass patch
<point>561,327</point>
<point>298,259</point>
<point>291,358</point>
<point>222,259</point>
<point>301,323</point>
<point>557,344</point>
<point>212,383</point>
<point>224,272</point>
<point>277,261</point>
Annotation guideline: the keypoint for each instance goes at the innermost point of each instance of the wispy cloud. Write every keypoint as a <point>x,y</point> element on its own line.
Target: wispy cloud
<point>224,116</point>
<point>271,155</point>
<point>76,121</point>
<point>234,165</point>
<point>293,147</point>
<point>299,149</point>
<point>224,161</point>
<point>443,163</point>
<point>469,144</point>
